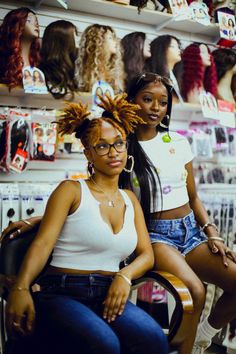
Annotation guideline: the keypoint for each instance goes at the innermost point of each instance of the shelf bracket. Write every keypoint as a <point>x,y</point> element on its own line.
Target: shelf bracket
<point>159,27</point>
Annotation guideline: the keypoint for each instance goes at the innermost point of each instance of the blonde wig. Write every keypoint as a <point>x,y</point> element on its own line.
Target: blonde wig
<point>96,63</point>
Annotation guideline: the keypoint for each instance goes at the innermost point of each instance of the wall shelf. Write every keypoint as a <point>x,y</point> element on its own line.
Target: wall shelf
<point>126,13</point>
<point>18,97</point>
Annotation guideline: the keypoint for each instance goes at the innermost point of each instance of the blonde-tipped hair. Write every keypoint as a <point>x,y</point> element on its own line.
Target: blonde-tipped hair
<point>120,113</point>
<point>96,63</point>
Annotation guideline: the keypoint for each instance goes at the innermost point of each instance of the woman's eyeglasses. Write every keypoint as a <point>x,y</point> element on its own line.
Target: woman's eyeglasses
<point>104,148</point>
<point>152,77</point>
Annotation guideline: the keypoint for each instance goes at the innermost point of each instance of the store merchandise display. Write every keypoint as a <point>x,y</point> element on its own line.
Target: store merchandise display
<point>19,45</point>
<point>135,48</point>
<point>225,60</point>
<point>100,58</point>
<point>199,72</point>
<point>59,53</point>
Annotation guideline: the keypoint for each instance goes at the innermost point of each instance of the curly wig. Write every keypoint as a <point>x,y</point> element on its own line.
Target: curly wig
<point>117,111</point>
<point>195,75</point>
<point>225,60</point>
<point>157,63</point>
<point>132,50</point>
<point>96,63</point>
<point>58,56</point>
<point>11,61</point>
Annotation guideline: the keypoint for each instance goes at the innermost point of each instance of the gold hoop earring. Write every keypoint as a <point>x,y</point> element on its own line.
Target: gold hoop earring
<point>164,125</point>
<point>90,168</point>
<point>129,170</point>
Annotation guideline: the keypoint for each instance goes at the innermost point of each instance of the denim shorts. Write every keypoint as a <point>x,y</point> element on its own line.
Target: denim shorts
<point>183,234</point>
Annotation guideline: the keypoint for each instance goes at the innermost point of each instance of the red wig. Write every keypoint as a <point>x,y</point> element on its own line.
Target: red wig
<point>195,74</point>
<point>11,62</point>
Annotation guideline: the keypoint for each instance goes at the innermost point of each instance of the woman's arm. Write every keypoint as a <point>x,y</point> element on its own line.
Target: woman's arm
<point>19,303</point>
<point>120,288</point>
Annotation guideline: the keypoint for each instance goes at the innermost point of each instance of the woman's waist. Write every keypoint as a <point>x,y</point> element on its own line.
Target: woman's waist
<point>52,270</point>
<point>176,213</point>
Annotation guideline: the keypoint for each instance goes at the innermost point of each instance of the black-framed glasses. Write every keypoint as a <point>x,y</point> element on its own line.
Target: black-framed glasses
<point>152,77</point>
<point>104,148</point>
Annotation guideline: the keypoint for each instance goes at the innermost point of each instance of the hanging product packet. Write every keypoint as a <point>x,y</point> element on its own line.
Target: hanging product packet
<point>44,135</point>
<point>18,140</point>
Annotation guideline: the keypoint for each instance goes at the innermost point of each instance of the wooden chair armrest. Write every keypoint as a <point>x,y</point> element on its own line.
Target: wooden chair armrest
<point>182,315</point>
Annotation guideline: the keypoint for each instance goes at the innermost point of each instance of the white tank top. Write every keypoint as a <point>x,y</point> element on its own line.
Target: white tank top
<point>87,242</point>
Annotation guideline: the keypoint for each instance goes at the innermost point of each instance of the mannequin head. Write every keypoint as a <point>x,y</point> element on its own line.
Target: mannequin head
<point>225,60</point>
<point>19,26</point>
<point>58,56</point>
<point>166,53</point>
<point>199,71</point>
<point>135,48</point>
<point>100,58</point>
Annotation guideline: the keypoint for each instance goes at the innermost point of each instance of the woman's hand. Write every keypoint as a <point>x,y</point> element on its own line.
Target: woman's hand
<point>16,228</point>
<point>20,312</point>
<point>224,251</point>
<point>117,296</point>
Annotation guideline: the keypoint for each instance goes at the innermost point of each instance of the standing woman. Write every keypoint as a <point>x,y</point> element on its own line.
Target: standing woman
<point>185,242</point>
<point>91,226</point>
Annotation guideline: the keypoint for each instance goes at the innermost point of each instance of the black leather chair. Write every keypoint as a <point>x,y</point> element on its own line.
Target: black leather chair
<point>12,253</point>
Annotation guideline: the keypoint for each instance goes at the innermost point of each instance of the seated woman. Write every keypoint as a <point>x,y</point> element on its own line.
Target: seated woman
<point>90,226</point>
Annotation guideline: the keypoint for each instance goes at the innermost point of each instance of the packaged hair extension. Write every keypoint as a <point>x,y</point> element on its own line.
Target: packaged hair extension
<point>44,135</point>
<point>18,138</point>
<point>3,149</point>
<point>43,141</point>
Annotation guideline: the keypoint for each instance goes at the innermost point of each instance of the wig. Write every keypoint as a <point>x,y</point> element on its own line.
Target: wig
<point>11,61</point>
<point>118,112</point>
<point>96,63</point>
<point>132,49</point>
<point>58,56</point>
<point>195,75</point>
<point>225,60</point>
<point>145,171</point>
<point>157,63</point>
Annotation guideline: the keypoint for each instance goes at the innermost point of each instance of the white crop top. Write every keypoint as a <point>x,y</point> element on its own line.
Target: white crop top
<point>170,160</point>
<point>87,242</point>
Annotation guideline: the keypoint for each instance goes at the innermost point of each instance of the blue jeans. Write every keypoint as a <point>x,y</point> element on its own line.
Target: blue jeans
<point>69,319</point>
<point>183,234</point>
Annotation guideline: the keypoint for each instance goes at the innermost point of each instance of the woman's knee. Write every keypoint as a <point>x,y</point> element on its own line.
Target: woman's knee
<point>198,293</point>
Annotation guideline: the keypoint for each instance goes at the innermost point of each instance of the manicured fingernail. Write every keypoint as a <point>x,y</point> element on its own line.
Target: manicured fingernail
<point>11,236</point>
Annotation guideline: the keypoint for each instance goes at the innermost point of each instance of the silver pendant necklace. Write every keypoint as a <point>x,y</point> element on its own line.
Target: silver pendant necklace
<point>111,202</point>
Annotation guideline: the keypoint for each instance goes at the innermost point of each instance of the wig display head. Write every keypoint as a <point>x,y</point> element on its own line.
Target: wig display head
<point>58,56</point>
<point>225,60</point>
<point>142,81</point>
<point>196,74</point>
<point>133,51</point>
<point>12,31</point>
<point>100,58</point>
<point>158,62</point>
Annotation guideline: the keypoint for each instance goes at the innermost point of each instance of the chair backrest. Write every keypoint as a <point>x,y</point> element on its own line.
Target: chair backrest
<point>12,251</point>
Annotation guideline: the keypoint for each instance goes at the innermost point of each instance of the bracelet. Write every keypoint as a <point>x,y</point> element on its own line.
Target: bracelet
<point>27,222</point>
<point>209,224</point>
<point>124,277</point>
<point>19,288</point>
<point>216,238</point>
